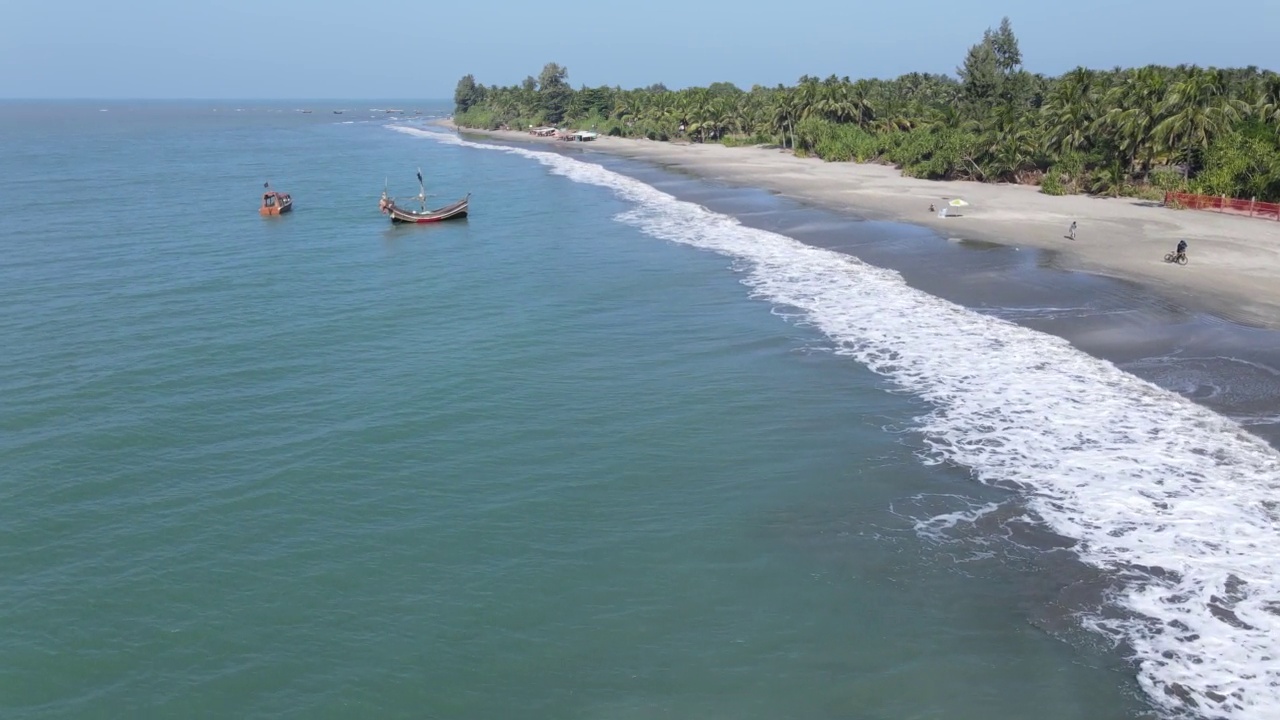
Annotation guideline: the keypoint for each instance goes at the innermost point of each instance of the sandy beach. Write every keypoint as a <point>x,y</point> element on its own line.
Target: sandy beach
<point>1234,268</point>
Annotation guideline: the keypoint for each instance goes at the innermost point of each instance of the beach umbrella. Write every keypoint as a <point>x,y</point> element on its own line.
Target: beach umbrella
<point>958,203</point>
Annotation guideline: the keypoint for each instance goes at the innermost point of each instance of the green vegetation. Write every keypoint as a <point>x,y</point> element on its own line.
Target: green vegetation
<point>1137,131</point>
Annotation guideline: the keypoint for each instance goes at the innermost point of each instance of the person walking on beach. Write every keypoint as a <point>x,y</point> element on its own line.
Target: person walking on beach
<point>1071,233</point>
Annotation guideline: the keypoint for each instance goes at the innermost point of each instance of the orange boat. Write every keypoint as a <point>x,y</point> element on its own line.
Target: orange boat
<point>274,203</point>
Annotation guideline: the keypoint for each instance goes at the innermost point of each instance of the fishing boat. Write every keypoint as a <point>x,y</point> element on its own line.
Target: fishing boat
<point>452,211</point>
<point>274,203</point>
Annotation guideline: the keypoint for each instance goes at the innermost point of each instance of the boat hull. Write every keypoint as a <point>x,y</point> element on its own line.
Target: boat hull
<point>455,211</point>
<point>277,210</point>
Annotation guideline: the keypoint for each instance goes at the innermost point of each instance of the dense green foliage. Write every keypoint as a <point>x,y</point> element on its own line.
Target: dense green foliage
<point>1119,131</point>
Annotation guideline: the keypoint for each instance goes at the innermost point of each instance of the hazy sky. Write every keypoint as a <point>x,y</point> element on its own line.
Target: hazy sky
<point>419,49</point>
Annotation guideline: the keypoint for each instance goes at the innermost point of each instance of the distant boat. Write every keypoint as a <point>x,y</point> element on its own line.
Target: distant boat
<point>306,112</point>
<point>337,112</point>
<point>453,211</point>
<point>274,203</point>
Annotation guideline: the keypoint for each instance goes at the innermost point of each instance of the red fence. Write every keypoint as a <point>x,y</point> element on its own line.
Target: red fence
<point>1235,206</point>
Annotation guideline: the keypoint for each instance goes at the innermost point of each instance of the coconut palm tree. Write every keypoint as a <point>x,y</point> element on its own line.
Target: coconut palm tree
<point>787,110</point>
<point>1106,126</point>
<point>1071,111</point>
<point>1267,106</point>
<point>1136,106</point>
<point>1196,109</point>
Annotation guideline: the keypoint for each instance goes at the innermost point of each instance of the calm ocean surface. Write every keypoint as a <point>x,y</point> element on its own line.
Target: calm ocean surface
<point>594,452</point>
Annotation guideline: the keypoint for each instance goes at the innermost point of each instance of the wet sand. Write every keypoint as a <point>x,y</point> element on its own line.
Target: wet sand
<point>1231,368</point>
<point>1235,261</point>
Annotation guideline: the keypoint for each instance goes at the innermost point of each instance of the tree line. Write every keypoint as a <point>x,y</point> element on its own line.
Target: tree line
<point>1123,131</point>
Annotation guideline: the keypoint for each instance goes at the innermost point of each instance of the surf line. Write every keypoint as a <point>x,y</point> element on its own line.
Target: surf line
<point>1176,502</point>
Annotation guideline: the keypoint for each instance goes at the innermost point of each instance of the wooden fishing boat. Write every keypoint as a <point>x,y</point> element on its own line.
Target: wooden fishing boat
<point>275,203</point>
<point>453,211</point>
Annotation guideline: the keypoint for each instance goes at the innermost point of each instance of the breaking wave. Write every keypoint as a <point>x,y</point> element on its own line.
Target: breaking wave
<point>1175,501</point>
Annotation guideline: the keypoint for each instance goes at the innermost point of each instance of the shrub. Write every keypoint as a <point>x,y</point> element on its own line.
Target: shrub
<point>1169,180</point>
<point>1144,192</point>
<point>477,118</point>
<point>1051,183</point>
<point>1238,165</point>
<point>745,140</point>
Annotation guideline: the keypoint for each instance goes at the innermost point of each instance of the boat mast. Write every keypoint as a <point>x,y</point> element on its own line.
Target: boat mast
<point>422,192</point>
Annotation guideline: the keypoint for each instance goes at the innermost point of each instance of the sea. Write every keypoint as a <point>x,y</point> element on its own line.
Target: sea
<point>623,444</point>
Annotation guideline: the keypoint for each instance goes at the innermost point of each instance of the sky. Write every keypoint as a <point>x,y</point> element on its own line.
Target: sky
<point>415,49</point>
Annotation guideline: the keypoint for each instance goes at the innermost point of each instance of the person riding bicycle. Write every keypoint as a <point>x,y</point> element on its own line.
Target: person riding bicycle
<point>1182,249</point>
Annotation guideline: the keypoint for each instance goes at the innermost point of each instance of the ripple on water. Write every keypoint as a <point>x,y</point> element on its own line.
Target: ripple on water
<point>1169,498</point>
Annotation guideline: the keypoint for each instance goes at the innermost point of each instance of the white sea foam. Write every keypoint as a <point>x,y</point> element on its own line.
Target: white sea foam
<point>1177,501</point>
<point>1258,420</point>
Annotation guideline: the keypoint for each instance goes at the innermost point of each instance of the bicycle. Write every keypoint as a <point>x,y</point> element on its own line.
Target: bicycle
<point>1176,257</point>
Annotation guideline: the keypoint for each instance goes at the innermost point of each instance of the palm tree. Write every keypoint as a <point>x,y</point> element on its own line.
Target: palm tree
<point>628,106</point>
<point>1071,111</point>
<point>1109,180</point>
<point>1195,110</point>
<point>787,109</point>
<point>747,116</point>
<point>1008,143</point>
<point>895,123</point>
<point>807,97</point>
<point>1267,106</point>
<point>1104,125</point>
<point>945,116</point>
<point>1136,106</point>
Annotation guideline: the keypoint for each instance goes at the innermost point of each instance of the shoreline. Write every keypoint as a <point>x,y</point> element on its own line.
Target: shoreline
<point>1234,260</point>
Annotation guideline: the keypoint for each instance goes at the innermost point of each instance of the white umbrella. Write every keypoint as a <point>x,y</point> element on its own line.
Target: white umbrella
<point>957,203</point>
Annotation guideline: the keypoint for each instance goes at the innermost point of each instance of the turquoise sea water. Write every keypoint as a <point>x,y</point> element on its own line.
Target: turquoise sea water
<point>579,456</point>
